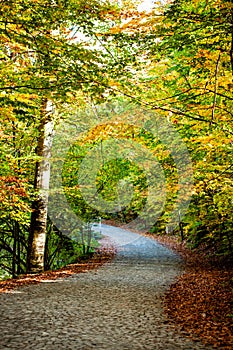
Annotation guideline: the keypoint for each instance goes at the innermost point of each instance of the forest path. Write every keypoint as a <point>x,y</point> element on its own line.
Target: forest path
<point>117,307</point>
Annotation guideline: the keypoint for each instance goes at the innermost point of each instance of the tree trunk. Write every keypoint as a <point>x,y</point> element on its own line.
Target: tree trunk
<point>37,233</point>
<point>89,234</point>
<point>16,250</point>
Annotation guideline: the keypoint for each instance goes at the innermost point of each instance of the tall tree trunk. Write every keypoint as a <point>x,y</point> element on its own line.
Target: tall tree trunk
<point>37,233</point>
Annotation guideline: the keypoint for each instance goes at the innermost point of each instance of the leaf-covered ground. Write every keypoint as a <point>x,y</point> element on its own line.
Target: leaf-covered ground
<point>200,302</point>
<point>83,265</point>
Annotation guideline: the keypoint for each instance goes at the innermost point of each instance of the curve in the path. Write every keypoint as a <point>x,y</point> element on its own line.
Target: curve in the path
<point>117,307</point>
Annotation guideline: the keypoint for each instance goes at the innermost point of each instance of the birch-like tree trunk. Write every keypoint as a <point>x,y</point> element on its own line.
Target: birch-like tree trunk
<point>37,233</point>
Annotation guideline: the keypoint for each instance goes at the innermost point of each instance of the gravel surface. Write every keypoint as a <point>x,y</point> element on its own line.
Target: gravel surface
<point>117,307</point>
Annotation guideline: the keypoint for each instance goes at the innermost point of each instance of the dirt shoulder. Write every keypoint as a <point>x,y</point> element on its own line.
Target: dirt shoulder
<point>200,302</point>
<point>101,257</point>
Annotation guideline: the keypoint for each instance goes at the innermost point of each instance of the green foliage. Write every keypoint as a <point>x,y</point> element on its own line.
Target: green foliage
<point>120,181</point>
<point>195,65</point>
<point>62,250</point>
<point>177,60</point>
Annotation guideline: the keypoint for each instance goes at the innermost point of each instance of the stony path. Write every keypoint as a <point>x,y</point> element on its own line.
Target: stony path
<point>117,307</point>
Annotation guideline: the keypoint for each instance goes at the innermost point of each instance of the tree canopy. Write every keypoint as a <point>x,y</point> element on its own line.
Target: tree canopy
<point>175,61</point>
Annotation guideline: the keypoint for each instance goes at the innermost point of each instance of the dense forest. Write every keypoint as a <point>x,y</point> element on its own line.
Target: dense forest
<point>113,111</point>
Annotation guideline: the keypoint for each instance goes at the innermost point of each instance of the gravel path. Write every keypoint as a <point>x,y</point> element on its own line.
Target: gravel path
<point>117,307</point>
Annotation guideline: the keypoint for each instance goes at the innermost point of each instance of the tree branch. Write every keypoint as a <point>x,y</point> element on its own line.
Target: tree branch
<point>215,88</point>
